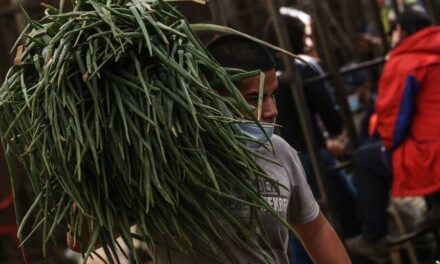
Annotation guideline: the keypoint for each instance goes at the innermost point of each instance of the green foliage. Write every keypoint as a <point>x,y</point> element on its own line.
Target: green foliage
<point>110,110</point>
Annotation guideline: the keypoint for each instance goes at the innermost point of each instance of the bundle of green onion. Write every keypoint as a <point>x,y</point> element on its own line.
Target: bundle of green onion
<point>109,109</point>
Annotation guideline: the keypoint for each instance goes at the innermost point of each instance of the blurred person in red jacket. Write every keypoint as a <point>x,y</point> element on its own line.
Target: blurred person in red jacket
<point>408,106</point>
<point>407,161</point>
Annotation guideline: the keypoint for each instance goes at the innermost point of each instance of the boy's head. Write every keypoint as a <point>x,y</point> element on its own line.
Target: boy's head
<point>238,52</point>
<point>234,51</point>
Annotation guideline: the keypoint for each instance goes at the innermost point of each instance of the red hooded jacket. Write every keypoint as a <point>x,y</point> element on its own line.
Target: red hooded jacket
<point>408,109</point>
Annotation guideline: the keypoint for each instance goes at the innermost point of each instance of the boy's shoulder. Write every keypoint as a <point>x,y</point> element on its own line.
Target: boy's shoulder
<point>281,146</point>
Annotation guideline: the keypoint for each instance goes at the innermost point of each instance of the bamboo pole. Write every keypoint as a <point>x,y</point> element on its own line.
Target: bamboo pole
<point>217,12</point>
<point>19,19</point>
<point>375,8</point>
<point>352,13</point>
<point>357,67</point>
<point>300,103</point>
<point>345,27</point>
<point>330,60</point>
<point>434,11</point>
<point>396,7</point>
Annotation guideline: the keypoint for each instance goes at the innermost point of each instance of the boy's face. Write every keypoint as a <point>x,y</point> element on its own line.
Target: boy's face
<point>249,88</point>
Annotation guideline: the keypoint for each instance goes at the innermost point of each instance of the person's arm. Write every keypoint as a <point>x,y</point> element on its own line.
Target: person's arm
<point>395,106</point>
<point>321,241</point>
<point>304,215</point>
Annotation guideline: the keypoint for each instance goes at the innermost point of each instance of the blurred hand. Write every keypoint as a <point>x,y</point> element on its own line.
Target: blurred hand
<point>338,146</point>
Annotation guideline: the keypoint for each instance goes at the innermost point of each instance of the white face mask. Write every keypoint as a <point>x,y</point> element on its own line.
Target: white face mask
<point>253,131</point>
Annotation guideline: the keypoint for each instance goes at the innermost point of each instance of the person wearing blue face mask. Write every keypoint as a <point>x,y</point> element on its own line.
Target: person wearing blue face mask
<point>253,131</point>
<point>354,103</point>
<point>296,203</point>
<point>361,100</point>
<point>357,85</point>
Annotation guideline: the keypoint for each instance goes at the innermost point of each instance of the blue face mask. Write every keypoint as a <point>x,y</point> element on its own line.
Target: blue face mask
<point>253,131</point>
<point>354,102</point>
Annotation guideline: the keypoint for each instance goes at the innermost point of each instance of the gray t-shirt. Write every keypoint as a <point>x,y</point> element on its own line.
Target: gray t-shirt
<point>296,204</point>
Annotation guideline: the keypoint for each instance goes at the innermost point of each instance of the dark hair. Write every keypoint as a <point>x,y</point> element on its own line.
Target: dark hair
<point>412,21</point>
<point>235,51</point>
<point>295,29</point>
